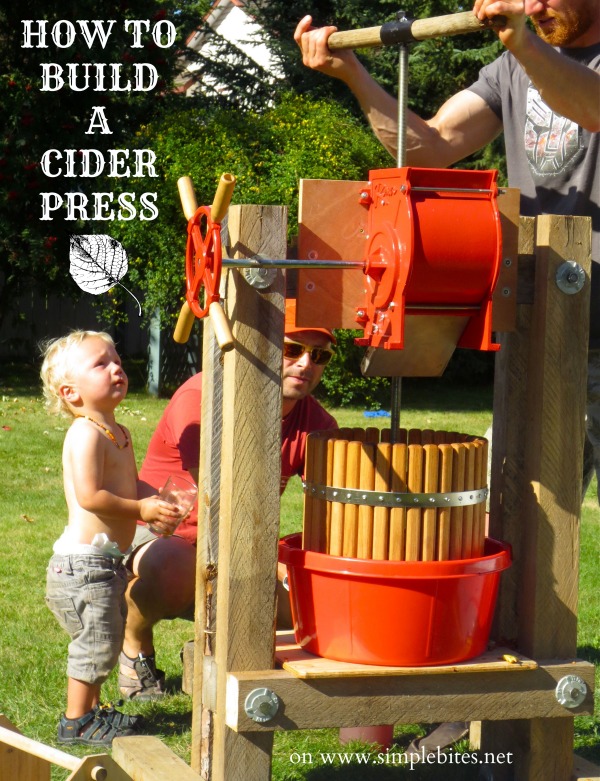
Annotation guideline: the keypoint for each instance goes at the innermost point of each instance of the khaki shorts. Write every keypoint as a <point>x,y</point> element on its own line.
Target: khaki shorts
<point>86,594</point>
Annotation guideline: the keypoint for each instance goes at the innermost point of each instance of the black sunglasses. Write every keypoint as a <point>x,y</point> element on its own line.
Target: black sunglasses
<point>319,355</point>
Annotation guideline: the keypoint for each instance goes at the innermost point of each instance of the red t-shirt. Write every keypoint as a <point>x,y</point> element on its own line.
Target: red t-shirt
<point>174,448</point>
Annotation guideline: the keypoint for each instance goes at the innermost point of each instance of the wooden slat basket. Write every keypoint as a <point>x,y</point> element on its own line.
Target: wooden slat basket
<point>421,497</point>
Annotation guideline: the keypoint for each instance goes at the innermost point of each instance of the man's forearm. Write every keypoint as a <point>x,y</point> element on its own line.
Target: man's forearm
<point>567,86</point>
<point>381,111</point>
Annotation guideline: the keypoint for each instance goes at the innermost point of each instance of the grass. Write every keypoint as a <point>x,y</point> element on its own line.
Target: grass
<point>33,648</point>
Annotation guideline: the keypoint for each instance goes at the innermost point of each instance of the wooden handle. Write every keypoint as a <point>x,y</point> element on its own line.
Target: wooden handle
<point>183,329</point>
<point>450,24</point>
<point>355,39</point>
<point>418,30</point>
<point>187,196</point>
<point>14,739</point>
<point>222,197</point>
<point>221,327</point>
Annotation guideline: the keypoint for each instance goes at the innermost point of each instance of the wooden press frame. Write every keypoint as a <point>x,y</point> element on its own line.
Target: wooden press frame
<point>539,402</point>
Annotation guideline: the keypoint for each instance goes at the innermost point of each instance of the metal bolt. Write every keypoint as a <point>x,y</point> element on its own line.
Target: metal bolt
<point>260,278</point>
<point>571,691</point>
<point>570,277</point>
<point>261,705</point>
<point>506,292</point>
<point>507,262</point>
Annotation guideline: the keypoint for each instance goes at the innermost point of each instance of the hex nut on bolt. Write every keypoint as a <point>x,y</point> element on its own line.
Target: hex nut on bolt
<point>571,691</point>
<point>261,705</point>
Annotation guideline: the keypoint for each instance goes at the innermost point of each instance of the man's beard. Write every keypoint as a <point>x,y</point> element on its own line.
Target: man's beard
<point>568,25</point>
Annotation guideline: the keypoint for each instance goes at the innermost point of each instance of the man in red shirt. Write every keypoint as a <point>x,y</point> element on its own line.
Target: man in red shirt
<point>164,568</point>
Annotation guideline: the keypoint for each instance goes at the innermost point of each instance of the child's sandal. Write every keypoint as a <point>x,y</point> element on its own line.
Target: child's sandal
<point>118,719</point>
<point>139,679</point>
<point>91,729</point>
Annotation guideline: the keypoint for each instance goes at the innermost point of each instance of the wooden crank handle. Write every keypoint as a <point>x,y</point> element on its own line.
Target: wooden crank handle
<point>220,323</point>
<point>187,196</point>
<point>222,197</point>
<point>408,31</point>
<point>185,321</point>
<point>221,327</point>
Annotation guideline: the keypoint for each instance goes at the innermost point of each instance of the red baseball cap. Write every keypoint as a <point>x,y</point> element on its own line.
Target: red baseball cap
<point>290,322</point>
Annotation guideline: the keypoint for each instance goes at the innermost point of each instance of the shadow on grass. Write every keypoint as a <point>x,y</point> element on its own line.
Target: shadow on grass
<point>159,721</point>
<point>589,653</point>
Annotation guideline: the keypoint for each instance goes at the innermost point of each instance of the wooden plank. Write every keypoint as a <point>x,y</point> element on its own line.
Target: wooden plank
<point>146,758</point>
<point>381,515</point>
<point>444,513</point>
<point>250,456</point>
<point>431,453</point>
<point>15,761</point>
<point>539,481</point>
<point>368,459</point>
<point>510,419</point>
<point>353,455</point>
<point>504,300</point>
<point>398,514</point>
<point>415,698</point>
<point>332,225</point>
<point>555,437</point>
<point>207,546</point>
<point>336,536</point>
<point>302,664</point>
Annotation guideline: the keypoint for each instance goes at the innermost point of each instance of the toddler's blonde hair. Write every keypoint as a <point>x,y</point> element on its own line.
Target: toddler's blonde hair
<point>57,365</point>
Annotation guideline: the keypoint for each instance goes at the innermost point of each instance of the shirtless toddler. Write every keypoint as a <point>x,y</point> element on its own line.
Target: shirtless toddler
<point>86,579</point>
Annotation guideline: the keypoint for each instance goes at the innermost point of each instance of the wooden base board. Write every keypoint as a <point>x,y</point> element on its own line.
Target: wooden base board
<point>302,664</point>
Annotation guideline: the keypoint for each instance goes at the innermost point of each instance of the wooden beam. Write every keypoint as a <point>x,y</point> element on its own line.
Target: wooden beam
<point>539,408</point>
<point>250,480</point>
<point>211,426</point>
<point>146,758</point>
<point>419,697</point>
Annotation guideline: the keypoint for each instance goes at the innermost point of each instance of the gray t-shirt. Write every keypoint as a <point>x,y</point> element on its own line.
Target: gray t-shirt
<point>552,160</point>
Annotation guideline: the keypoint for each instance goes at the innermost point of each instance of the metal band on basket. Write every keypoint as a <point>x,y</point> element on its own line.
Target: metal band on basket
<point>392,499</point>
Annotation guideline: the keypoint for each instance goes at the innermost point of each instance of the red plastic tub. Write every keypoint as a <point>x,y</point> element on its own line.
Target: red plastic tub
<point>398,613</point>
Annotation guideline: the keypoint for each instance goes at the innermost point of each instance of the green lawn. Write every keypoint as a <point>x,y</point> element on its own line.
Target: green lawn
<point>33,648</point>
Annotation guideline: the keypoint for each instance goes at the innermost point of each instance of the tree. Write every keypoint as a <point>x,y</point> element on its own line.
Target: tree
<point>438,67</point>
<point>267,151</point>
<point>38,116</point>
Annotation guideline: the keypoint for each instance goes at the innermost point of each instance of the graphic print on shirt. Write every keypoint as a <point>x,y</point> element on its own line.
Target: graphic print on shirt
<point>552,143</point>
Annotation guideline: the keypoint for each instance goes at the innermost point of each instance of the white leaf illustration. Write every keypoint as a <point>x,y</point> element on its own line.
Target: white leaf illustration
<point>98,263</point>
